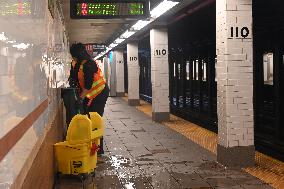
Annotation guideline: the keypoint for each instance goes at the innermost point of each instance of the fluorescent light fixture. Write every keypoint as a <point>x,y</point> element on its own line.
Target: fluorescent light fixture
<point>22,46</point>
<point>4,51</point>
<point>140,24</point>
<point>119,40</point>
<point>11,42</point>
<point>162,8</point>
<point>127,34</point>
<point>3,37</point>
<point>113,45</point>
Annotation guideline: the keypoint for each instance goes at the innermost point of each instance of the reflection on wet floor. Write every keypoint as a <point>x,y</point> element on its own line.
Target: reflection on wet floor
<point>143,154</point>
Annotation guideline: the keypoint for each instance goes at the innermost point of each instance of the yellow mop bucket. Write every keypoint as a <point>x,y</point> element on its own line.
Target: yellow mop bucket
<point>78,154</point>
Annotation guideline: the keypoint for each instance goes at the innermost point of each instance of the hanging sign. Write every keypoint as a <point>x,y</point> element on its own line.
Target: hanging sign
<point>104,9</point>
<point>94,48</point>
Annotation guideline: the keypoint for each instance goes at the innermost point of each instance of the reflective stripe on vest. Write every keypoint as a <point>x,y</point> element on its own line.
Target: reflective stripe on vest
<point>81,77</point>
<point>98,83</point>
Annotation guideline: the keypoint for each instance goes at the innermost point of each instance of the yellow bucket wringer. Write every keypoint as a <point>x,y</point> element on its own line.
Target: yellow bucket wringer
<point>78,154</point>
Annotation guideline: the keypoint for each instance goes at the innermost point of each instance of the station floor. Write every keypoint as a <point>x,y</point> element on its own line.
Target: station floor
<point>142,154</point>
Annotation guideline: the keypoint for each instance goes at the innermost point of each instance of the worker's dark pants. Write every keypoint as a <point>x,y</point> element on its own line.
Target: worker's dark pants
<point>71,102</point>
<point>98,105</point>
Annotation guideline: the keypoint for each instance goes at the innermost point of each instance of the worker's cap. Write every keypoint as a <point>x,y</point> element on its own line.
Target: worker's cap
<point>78,50</point>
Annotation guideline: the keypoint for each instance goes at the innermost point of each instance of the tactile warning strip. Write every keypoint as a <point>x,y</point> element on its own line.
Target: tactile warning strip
<point>267,169</point>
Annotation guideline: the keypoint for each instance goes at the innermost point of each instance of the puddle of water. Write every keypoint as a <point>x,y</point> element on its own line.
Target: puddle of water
<point>119,162</point>
<point>211,166</point>
<point>180,162</point>
<point>129,186</point>
<point>144,159</point>
<point>137,131</point>
<point>159,151</point>
<point>144,155</point>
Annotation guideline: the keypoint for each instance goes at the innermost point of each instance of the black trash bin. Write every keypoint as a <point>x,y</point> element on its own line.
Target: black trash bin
<point>72,103</point>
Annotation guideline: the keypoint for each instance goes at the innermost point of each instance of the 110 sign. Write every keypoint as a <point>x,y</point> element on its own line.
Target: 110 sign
<point>133,58</point>
<point>159,52</point>
<point>236,32</point>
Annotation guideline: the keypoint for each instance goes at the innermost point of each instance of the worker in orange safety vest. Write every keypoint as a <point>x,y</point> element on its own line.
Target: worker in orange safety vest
<point>93,87</point>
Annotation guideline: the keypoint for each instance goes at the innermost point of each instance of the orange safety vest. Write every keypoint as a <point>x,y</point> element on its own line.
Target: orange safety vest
<point>98,83</point>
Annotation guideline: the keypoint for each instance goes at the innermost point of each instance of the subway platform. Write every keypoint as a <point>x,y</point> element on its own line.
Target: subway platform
<point>140,153</point>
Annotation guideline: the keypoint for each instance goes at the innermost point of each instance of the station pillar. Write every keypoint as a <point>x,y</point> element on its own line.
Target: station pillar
<point>160,74</point>
<point>234,68</point>
<point>119,73</point>
<point>133,73</point>
<point>112,78</point>
<point>107,70</point>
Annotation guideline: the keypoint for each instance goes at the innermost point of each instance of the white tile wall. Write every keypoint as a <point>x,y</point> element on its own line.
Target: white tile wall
<point>32,53</point>
<point>107,70</point>
<point>234,74</point>
<point>133,70</point>
<point>119,71</point>
<point>159,70</point>
<point>112,75</point>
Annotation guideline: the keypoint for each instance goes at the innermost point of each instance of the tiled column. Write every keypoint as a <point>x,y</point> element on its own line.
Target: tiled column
<point>235,83</point>
<point>133,74</point>
<point>112,77</point>
<point>160,75</point>
<point>119,73</point>
<point>108,71</point>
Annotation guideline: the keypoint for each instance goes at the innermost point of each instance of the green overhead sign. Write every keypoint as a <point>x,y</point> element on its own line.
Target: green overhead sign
<point>104,9</point>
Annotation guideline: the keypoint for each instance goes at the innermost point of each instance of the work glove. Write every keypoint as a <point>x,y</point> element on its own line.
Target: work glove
<point>79,103</point>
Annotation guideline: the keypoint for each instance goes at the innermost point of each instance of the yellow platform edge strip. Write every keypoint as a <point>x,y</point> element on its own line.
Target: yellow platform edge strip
<point>267,169</point>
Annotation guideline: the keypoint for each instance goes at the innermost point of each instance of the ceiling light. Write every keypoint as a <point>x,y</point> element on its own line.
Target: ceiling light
<point>22,46</point>
<point>118,40</point>
<point>127,34</point>
<point>140,24</point>
<point>3,37</point>
<point>11,42</point>
<point>113,45</point>
<point>162,8</point>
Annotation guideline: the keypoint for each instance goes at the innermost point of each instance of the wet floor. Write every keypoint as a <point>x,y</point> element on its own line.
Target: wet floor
<point>143,154</point>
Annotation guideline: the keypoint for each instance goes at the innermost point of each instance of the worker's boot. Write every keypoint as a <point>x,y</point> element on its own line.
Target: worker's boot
<point>101,150</point>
